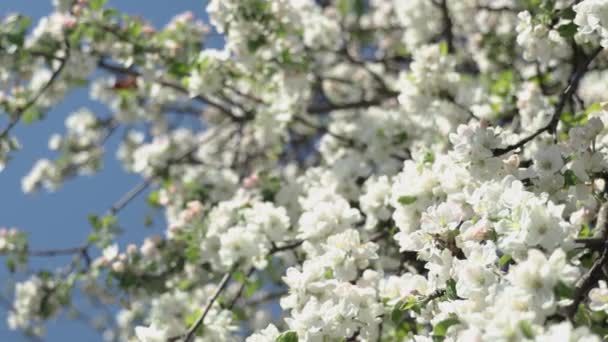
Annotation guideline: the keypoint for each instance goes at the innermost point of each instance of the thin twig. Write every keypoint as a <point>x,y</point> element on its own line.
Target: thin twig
<point>33,100</point>
<point>590,278</point>
<point>577,74</point>
<point>199,321</point>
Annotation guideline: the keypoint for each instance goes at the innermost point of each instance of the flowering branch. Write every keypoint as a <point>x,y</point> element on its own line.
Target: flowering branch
<point>577,74</point>
<point>590,278</point>
<point>21,110</point>
<point>199,321</point>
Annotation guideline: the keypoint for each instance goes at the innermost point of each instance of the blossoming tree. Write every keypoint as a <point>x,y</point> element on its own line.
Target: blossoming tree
<point>352,170</point>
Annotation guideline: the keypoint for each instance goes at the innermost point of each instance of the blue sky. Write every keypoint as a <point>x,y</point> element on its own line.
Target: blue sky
<point>59,219</point>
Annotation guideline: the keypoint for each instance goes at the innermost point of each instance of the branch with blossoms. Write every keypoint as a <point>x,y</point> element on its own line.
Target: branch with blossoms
<point>579,70</point>
<point>372,170</point>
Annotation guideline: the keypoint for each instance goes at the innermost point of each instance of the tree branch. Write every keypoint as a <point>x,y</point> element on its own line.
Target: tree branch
<point>448,33</point>
<point>577,74</point>
<point>590,278</point>
<point>199,322</point>
<point>33,100</point>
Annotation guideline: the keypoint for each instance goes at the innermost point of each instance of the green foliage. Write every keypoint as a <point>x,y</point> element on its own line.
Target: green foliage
<point>504,260</point>
<point>96,5</point>
<point>154,199</point>
<point>440,329</point>
<point>526,329</point>
<point>570,178</point>
<point>563,291</point>
<point>407,200</point>
<point>105,228</point>
<point>31,115</point>
<point>585,232</point>
<point>356,7</point>
<point>270,186</point>
<point>14,31</point>
<point>444,48</point>
<point>450,290</point>
<point>288,336</point>
<point>503,84</point>
<point>572,120</point>
<point>567,30</point>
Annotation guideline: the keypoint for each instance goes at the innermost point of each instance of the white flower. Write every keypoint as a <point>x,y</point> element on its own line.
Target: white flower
<point>151,334</point>
<point>325,213</point>
<point>547,160</point>
<point>538,276</point>
<point>592,19</point>
<point>599,297</point>
<point>243,243</point>
<point>269,334</point>
<point>110,253</point>
<point>564,331</point>
<point>540,42</point>
<point>474,142</point>
<point>206,76</point>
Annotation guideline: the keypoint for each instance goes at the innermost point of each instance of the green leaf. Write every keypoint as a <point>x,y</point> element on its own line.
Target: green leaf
<point>595,107</point>
<point>444,48</point>
<point>503,83</point>
<point>154,199</point>
<point>359,7</point>
<point>190,319</point>
<point>570,178</point>
<point>410,304</point>
<point>505,259</point>
<point>11,264</point>
<point>254,44</point>
<point>567,30</point>
<point>397,314</point>
<point>192,253</point>
<point>585,231</point>
<point>179,69</point>
<point>288,336</point>
<point>93,238</point>
<point>563,291</point>
<point>347,6</point>
<point>407,200</point>
<point>441,329</point>
<point>239,276</point>
<point>450,290</point>
<point>97,4</point>
<point>571,120</point>
<point>251,287</point>
<point>526,329</point>
<point>95,221</point>
<point>31,115</point>
<point>567,13</point>
<point>108,221</point>
<point>343,7</point>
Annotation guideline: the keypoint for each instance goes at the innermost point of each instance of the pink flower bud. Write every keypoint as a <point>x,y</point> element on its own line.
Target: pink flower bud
<point>483,123</point>
<point>251,181</point>
<point>69,22</point>
<point>148,29</point>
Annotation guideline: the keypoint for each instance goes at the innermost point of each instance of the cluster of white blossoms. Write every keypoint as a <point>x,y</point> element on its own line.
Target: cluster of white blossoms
<point>592,20</point>
<point>242,230</point>
<point>36,299</point>
<point>11,240</point>
<point>337,171</point>
<point>540,43</point>
<point>80,152</point>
